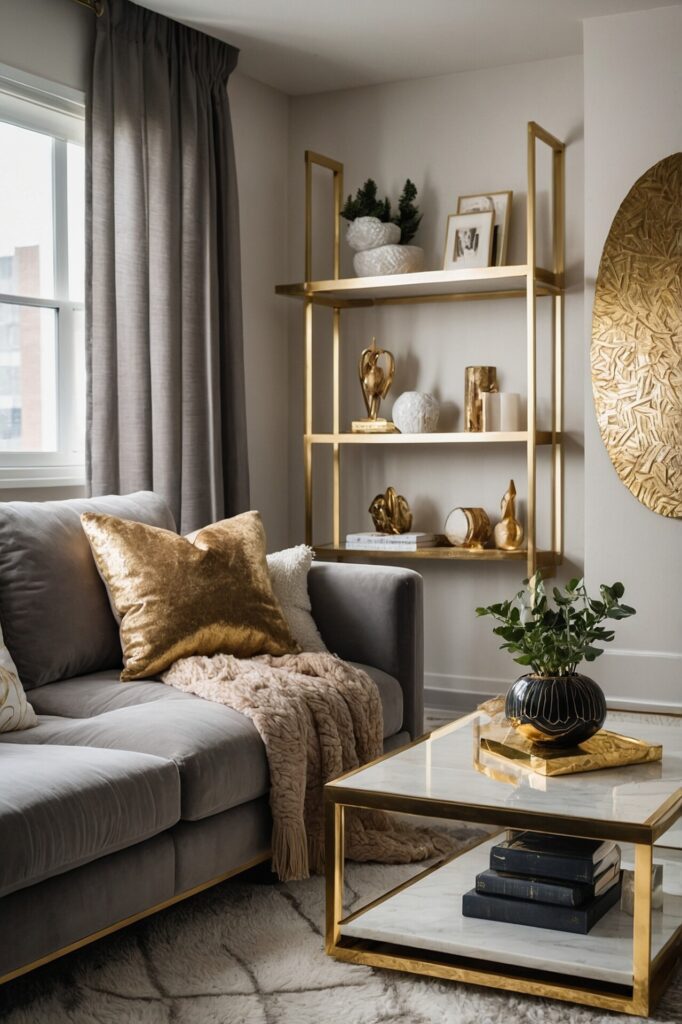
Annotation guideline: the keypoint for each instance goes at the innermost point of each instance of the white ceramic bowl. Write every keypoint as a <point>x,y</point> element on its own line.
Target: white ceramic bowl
<point>389,259</point>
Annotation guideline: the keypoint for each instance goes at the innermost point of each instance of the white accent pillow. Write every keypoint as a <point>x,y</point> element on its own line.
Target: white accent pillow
<point>289,577</point>
<point>15,711</point>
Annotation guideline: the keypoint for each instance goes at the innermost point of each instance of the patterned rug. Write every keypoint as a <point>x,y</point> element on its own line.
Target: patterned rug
<point>249,953</point>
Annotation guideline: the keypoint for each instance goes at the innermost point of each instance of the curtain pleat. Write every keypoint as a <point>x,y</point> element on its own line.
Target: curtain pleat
<point>166,404</point>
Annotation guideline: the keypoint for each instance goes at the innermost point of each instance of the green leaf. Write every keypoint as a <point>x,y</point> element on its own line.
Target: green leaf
<point>592,653</point>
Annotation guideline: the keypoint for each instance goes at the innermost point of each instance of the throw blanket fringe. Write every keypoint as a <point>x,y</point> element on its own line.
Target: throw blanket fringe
<point>318,717</point>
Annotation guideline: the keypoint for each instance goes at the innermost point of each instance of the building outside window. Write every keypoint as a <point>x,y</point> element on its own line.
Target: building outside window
<point>42,277</point>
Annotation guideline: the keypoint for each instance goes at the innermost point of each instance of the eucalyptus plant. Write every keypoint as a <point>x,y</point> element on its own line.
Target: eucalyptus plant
<point>553,641</point>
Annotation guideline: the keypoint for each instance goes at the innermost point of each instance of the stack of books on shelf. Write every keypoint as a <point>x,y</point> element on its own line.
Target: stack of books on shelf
<point>547,881</point>
<point>390,541</point>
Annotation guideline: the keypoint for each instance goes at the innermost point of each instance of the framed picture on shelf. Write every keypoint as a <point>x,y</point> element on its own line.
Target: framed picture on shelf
<point>468,240</point>
<point>500,203</point>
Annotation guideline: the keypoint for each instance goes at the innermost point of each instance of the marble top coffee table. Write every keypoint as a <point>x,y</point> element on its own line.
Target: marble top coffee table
<point>623,964</point>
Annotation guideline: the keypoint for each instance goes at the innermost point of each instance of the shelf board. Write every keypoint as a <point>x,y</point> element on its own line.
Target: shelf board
<point>544,559</point>
<point>461,437</point>
<point>425,286</point>
<point>427,915</point>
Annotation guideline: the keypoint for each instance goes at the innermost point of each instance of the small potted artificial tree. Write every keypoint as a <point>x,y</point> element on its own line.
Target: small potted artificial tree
<point>380,240</point>
<point>553,702</point>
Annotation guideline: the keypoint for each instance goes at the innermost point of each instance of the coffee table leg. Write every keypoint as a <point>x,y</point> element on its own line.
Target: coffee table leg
<point>334,856</point>
<point>641,946</point>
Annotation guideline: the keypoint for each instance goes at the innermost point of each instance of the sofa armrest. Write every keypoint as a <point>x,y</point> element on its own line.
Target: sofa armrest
<point>374,615</point>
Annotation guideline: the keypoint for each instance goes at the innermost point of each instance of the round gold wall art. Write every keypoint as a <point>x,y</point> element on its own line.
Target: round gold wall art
<point>636,351</point>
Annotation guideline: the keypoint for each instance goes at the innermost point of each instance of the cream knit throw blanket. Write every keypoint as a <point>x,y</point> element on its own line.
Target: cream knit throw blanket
<point>318,717</point>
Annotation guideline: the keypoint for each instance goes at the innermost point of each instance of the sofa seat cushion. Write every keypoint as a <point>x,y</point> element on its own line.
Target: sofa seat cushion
<point>218,752</point>
<point>63,806</point>
<point>86,696</point>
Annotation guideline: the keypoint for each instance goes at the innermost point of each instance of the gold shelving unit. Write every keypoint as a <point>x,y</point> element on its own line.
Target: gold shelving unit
<point>525,281</point>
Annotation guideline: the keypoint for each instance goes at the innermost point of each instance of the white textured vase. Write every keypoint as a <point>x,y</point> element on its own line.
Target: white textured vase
<point>388,259</point>
<point>370,233</point>
<point>416,413</point>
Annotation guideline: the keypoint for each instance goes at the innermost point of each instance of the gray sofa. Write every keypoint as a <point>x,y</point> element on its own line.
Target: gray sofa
<point>129,796</point>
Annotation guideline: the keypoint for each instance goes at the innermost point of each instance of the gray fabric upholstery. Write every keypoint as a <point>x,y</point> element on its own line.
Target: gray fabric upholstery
<point>61,807</point>
<point>54,609</point>
<point>374,614</point>
<point>209,848</point>
<point>86,696</point>
<point>166,404</point>
<point>44,918</point>
<point>399,739</point>
<point>218,752</point>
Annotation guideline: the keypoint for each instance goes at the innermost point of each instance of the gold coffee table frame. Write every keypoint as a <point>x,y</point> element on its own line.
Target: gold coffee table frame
<point>650,977</point>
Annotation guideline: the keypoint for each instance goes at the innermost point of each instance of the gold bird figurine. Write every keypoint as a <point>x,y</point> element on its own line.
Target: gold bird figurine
<point>375,381</point>
<point>508,532</point>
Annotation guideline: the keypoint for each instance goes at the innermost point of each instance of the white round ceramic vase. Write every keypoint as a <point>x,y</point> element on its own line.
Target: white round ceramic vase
<point>416,413</point>
<point>370,233</point>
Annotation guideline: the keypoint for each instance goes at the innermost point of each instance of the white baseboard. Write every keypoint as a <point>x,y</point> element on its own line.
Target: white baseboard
<point>636,680</point>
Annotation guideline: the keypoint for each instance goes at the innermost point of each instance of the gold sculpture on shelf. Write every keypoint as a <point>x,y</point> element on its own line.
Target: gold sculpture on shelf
<point>637,339</point>
<point>376,382</point>
<point>390,512</point>
<point>508,533</point>
<point>477,379</point>
<point>468,528</point>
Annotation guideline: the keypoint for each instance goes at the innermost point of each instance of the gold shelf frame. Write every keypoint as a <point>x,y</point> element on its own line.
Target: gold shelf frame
<point>523,281</point>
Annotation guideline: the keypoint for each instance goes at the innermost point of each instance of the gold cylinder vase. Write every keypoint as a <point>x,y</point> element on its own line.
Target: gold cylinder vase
<point>477,380</point>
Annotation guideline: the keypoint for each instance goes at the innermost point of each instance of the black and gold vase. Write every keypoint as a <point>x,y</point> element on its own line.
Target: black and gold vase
<point>562,710</point>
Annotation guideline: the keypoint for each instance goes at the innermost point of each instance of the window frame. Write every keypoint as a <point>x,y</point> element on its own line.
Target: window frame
<point>58,111</point>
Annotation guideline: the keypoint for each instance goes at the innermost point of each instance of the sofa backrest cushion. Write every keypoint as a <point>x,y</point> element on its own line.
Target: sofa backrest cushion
<point>54,608</point>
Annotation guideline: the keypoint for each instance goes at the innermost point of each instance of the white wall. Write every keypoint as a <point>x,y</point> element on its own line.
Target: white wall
<point>452,135</point>
<point>633,118</point>
<point>53,39</point>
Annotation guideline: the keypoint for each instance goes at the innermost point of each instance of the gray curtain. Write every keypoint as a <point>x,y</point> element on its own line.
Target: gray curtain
<point>165,364</point>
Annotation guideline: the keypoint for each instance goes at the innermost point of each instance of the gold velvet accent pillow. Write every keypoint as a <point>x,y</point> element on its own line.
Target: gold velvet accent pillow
<point>206,593</point>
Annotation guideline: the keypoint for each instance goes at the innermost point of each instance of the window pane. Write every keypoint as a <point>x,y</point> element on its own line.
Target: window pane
<point>76,201</point>
<point>26,218</point>
<point>28,379</point>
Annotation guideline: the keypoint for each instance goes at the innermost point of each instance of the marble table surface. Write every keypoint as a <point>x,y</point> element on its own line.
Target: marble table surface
<point>442,768</point>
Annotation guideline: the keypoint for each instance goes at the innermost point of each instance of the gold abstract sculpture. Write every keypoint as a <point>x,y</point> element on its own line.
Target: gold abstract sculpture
<point>376,382</point>
<point>390,512</point>
<point>636,351</point>
<point>508,532</point>
<point>477,379</point>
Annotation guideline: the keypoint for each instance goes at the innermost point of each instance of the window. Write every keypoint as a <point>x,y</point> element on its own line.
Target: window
<point>42,279</point>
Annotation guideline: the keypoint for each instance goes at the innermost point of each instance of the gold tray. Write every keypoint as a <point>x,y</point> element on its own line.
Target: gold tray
<point>603,750</point>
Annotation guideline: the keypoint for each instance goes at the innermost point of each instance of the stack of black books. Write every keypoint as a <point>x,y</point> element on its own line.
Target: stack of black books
<point>547,881</point>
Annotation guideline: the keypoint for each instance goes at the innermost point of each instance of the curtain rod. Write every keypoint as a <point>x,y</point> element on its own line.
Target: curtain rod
<point>94,5</point>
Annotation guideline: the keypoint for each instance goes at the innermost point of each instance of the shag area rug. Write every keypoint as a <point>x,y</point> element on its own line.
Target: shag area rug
<point>249,953</point>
